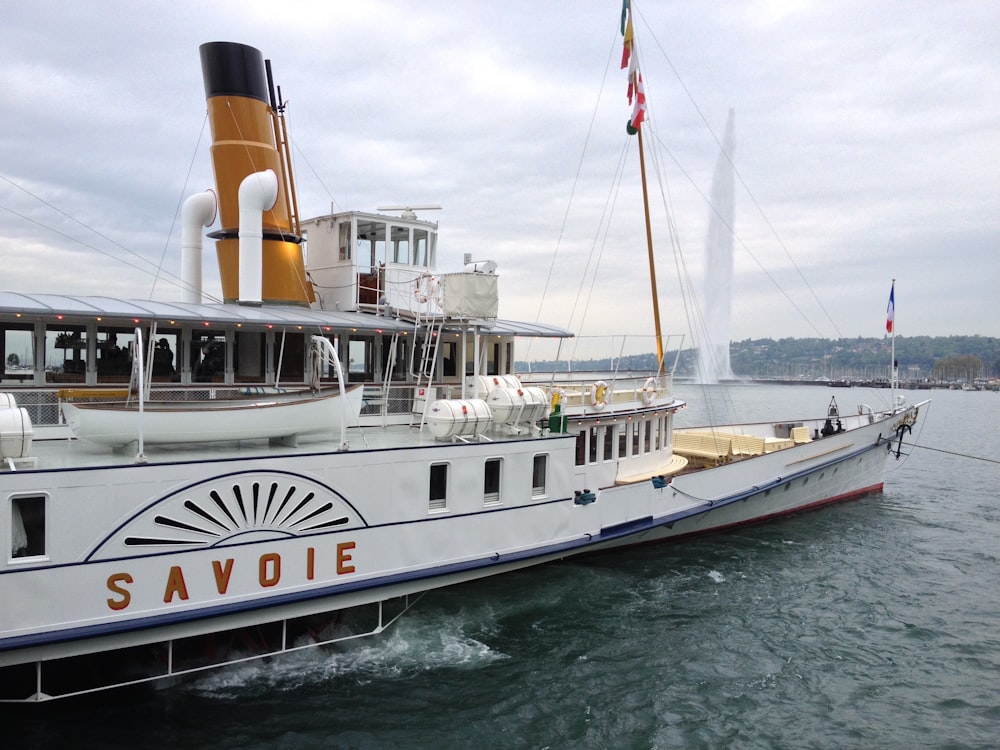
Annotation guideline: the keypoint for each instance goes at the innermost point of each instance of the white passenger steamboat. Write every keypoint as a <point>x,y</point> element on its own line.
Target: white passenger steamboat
<point>188,484</point>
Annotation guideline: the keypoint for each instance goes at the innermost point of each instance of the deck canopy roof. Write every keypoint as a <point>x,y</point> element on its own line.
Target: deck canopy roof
<point>113,310</point>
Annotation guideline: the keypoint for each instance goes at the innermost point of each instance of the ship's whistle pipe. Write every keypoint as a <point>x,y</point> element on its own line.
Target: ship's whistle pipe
<point>258,193</point>
<point>198,211</point>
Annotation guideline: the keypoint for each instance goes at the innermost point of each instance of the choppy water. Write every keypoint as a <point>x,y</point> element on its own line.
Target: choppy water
<point>870,624</point>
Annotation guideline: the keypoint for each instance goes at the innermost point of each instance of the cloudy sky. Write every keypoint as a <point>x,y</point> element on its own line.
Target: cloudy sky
<point>867,147</point>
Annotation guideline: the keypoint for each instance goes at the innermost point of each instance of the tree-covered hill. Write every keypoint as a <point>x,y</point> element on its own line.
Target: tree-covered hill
<point>919,357</point>
<point>942,358</point>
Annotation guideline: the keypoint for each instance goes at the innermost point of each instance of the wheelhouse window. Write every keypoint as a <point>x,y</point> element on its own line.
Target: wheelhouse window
<point>539,475</point>
<point>27,525</point>
<point>344,252</point>
<point>400,244</point>
<point>420,247</point>
<point>438,489</point>
<point>491,481</point>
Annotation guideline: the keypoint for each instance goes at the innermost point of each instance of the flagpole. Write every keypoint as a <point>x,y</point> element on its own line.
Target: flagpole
<point>893,377</point>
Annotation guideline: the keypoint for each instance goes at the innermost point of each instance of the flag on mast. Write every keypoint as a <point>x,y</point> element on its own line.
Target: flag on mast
<point>639,107</point>
<point>636,95</point>
<point>627,33</point>
<point>890,311</point>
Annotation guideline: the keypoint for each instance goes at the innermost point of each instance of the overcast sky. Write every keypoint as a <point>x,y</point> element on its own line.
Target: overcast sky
<point>867,147</point>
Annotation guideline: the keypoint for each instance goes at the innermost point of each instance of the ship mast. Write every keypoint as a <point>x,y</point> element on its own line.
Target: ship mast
<point>652,261</point>
<point>637,97</point>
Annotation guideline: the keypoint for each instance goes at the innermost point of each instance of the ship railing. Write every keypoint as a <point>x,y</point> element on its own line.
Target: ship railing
<point>597,390</point>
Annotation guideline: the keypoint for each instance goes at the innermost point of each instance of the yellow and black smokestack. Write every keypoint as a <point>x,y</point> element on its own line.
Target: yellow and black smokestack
<point>243,121</point>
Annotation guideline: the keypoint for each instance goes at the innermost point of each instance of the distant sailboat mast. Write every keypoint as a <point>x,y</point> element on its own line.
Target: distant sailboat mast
<point>637,98</point>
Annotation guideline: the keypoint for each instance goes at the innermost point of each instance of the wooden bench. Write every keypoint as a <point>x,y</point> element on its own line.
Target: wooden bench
<point>747,445</point>
<point>801,435</point>
<point>706,445</point>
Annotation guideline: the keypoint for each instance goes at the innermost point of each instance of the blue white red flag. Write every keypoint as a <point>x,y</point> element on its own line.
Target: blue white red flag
<point>890,311</point>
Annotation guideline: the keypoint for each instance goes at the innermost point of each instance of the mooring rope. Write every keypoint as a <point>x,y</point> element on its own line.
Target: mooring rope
<point>956,453</point>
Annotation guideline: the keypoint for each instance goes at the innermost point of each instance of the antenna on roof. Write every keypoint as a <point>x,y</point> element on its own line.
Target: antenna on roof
<point>409,212</point>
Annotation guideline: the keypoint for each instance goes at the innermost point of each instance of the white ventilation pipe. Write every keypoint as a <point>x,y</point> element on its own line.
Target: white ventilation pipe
<point>258,193</point>
<point>198,211</point>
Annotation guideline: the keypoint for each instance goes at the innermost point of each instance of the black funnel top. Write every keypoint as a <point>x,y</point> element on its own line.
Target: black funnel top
<point>233,69</point>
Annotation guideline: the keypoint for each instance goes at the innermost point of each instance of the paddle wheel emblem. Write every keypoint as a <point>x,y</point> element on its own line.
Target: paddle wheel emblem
<point>248,507</point>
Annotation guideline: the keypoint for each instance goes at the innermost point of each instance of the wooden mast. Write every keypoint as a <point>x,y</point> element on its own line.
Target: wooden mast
<point>630,60</point>
<point>652,261</point>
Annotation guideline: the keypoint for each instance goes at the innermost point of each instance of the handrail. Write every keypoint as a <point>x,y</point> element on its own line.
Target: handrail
<point>137,376</point>
<point>324,348</point>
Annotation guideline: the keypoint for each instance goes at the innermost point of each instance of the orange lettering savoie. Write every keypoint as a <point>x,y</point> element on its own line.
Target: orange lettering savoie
<point>175,585</point>
<point>344,558</point>
<point>268,575</point>
<point>115,582</point>
<point>269,578</point>
<point>222,574</point>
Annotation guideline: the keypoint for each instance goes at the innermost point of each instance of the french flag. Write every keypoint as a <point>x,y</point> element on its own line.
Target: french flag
<point>890,311</point>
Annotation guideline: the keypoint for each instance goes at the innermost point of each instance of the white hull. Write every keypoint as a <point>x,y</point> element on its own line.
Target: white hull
<point>212,545</point>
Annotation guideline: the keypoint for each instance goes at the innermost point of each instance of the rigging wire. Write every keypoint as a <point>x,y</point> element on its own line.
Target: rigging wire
<point>576,181</point>
<point>746,187</point>
<point>689,297</point>
<point>177,281</point>
<point>180,203</point>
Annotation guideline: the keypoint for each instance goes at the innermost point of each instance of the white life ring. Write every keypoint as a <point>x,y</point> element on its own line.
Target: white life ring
<point>648,391</point>
<point>598,396</point>
<point>557,394</point>
<point>426,289</point>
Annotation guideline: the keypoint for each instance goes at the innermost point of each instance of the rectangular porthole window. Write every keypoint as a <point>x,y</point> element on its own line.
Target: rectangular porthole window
<point>538,476</point>
<point>438,490</point>
<point>491,481</point>
<point>27,525</point>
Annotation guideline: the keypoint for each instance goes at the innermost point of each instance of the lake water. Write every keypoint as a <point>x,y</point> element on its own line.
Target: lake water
<point>869,624</point>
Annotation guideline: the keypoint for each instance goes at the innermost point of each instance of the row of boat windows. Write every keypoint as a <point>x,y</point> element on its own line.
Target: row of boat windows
<point>27,514</point>
<point>621,440</point>
<point>438,486</point>
<point>102,354</point>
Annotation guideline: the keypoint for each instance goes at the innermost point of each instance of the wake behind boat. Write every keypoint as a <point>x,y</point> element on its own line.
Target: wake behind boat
<point>149,541</point>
